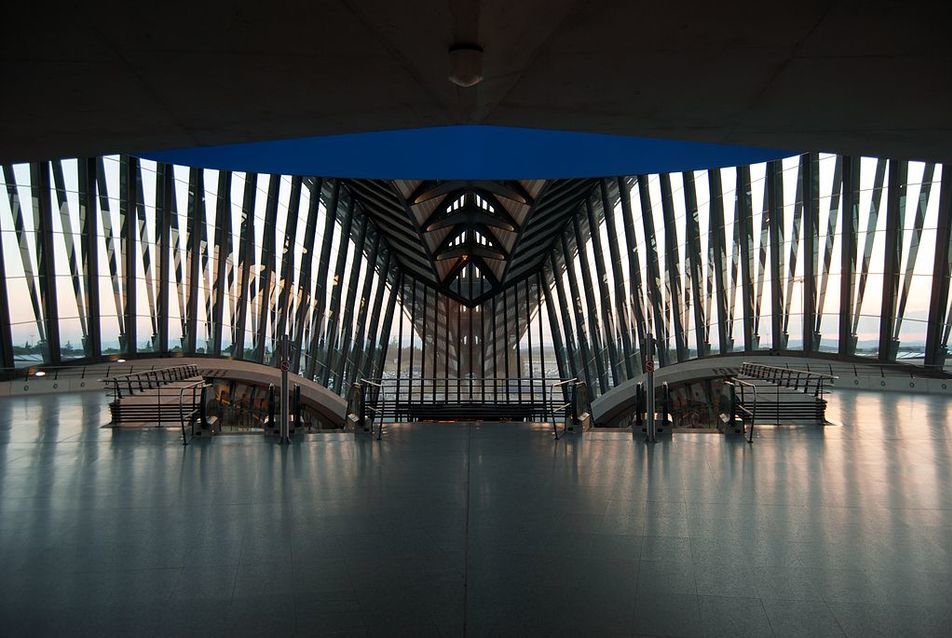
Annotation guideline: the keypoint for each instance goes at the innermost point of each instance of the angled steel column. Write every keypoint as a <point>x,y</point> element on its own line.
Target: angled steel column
<point>245,257</point>
<point>268,240</point>
<point>436,336</point>
<point>745,216</point>
<point>829,245</point>
<point>895,216</point>
<point>72,250</point>
<point>577,309</point>
<point>539,323</point>
<point>40,186</point>
<point>505,331</point>
<point>517,336</point>
<point>588,293</point>
<point>608,332</point>
<point>342,337</point>
<point>563,361</point>
<point>774,190</point>
<point>337,286</point>
<point>24,241</point>
<point>222,252</point>
<point>634,270</point>
<point>564,317</point>
<point>367,355</point>
<point>446,334</point>
<point>387,325</point>
<point>320,290</point>
<point>527,296</point>
<point>439,303</point>
<point>359,340</point>
<point>875,204</point>
<point>90,255</point>
<point>105,209</point>
<point>810,194</point>
<point>128,167</point>
<point>672,265</point>
<point>654,272</point>
<point>495,344</point>
<point>614,248</point>
<point>286,283</point>
<point>423,335</point>
<point>163,220</point>
<point>912,256</point>
<point>196,219</point>
<point>693,248</point>
<point>849,229</point>
<point>719,239</point>
<point>937,331</point>
<point>413,316</point>
<point>6,335</point>
<point>304,299</point>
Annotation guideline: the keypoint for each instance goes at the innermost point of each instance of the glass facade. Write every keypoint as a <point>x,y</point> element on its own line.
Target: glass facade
<point>117,256</point>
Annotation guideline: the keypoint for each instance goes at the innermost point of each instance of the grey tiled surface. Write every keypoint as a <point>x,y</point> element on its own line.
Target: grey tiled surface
<point>809,532</point>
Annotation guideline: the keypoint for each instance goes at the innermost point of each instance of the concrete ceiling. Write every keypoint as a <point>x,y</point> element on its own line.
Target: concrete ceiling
<point>850,77</point>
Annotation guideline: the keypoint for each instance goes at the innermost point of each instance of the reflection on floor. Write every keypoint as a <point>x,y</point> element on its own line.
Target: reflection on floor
<point>841,530</point>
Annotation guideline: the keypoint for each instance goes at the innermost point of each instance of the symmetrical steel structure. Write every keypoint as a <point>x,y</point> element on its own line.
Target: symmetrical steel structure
<point>116,256</point>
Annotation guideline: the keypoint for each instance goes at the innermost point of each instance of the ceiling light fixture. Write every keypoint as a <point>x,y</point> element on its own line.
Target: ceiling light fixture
<point>466,64</point>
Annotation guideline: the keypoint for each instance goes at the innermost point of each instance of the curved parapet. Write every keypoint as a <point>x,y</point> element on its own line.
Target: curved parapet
<point>859,375</point>
<point>86,378</point>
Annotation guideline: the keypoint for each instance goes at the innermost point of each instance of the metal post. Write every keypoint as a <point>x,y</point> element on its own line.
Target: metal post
<point>665,407</point>
<point>285,367</point>
<point>637,421</point>
<point>652,432</point>
<point>271,407</point>
<point>297,406</point>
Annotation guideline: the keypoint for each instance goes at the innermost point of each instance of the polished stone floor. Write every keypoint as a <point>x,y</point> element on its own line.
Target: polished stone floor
<point>498,529</point>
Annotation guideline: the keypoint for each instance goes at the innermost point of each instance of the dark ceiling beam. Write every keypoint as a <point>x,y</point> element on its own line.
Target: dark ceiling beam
<point>452,273</point>
<point>471,249</point>
<point>469,214</point>
<point>509,189</point>
<point>491,236</point>
<point>558,201</point>
<point>498,207</point>
<point>397,233</point>
<point>440,210</point>
<point>431,189</point>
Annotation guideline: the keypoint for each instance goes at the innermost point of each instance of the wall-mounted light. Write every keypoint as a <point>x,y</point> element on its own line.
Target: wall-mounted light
<point>466,64</point>
<point>39,373</point>
<point>120,360</point>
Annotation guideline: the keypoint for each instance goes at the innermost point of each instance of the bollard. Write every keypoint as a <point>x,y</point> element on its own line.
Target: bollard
<point>639,401</point>
<point>296,404</point>
<point>650,425</point>
<point>271,408</point>
<point>665,397</point>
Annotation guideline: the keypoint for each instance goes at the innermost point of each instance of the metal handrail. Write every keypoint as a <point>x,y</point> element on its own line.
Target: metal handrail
<point>428,391</point>
<point>191,386</point>
<point>788,377</point>
<point>148,379</point>
<point>753,412</point>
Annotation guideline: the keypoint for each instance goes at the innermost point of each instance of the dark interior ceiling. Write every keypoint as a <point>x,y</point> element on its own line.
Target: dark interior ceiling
<point>438,228</point>
<point>849,77</point>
